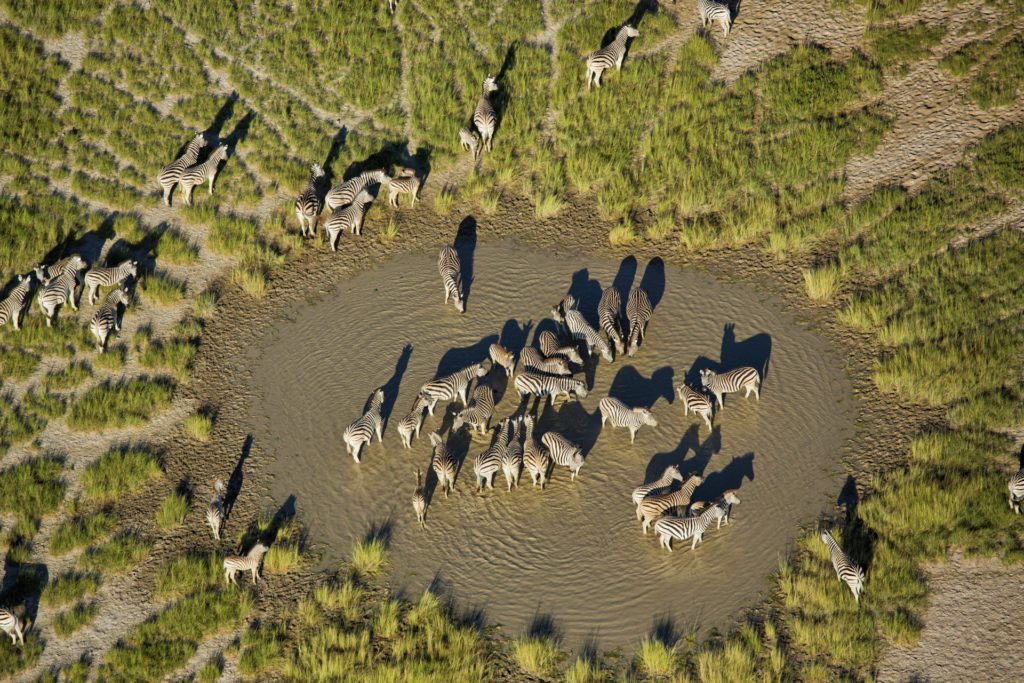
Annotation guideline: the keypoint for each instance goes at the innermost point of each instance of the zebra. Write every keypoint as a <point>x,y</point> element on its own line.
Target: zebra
<point>846,569</point>
<point>670,475</point>
<point>11,625</point>
<point>654,505</point>
<point>721,383</point>
<point>485,466</point>
<point>105,320</point>
<point>74,262</point>
<point>170,174</point>
<point>350,216</point>
<point>529,384</point>
<point>608,314</point>
<point>723,507</point>
<point>443,464</point>
<point>392,6</point>
<point>411,424</point>
<point>534,361</point>
<point>343,194</point>
<point>58,291</point>
<point>366,425</point>
<point>105,277</point>
<point>249,562</point>
<point>638,313</point>
<point>204,172</point>
<point>696,402</point>
<point>407,183</point>
<point>470,141</point>
<point>479,411</point>
<point>450,387</point>
<point>215,510</point>
<point>566,304</point>
<point>682,528</point>
<point>12,308</point>
<point>611,54</point>
<point>620,415</point>
<point>712,10</point>
<point>307,206</point>
<point>582,331</point>
<point>1017,490</point>
<point>450,267</point>
<point>535,457</point>
<point>419,501</point>
<point>485,118</point>
<point>503,358</point>
<point>550,346</point>
<point>512,456</point>
<point>563,452</point>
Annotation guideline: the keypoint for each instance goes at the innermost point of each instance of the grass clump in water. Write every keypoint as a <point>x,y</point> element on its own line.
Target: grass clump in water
<point>128,403</point>
<point>370,557</point>
<point>657,659</point>
<point>118,473</point>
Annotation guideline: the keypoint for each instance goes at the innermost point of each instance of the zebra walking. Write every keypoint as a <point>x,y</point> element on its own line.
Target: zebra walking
<point>105,320</point>
<point>1017,490</point>
<point>638,313</point>
<point>250,562</point>
<point>59,291</point>
<point>450,268</point>
<point>530,384</point>
<point>405,183</point>
<point>654,505</point>
<point>205,172</point>
<point>347,217</point>
<point>711,11</point>
<point>608,317</point>
<point>470,141</point>
<point>563,452</point>
<point>479,412</point>
<point>345,193</point>
<point>307,206</point>
<point>503,358</point>
<point>485,118</point>
<point>535,457</point>
<point>361,432</point>
<point>486,465</point>
<point>419,501</point>
<point>11,625</point>
<point>551,346</point>
<point>582,331</point>
<point>411,424</point>
<point>670,475</point>
<point>13,306</point>
<point>450,387</point>
<point>215,509</point>
<point>846,569</point>
<point>695,402</point>
<point>620,415</point>
<point>721,383</point>
<point>682,528</point>
<point>107,277</point>
<point>512,455</point>
<point>610,55</point>
<point>170,174</point>
<point>534,360</point>
<point>443,464</point>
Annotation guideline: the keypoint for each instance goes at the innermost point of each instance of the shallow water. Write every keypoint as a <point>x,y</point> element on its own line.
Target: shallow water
<point>574,553</point>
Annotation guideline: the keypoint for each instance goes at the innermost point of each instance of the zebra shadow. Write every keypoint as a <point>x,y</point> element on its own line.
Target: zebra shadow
<point>633,389</point>
<point>382,531</point>
<point>653,281</point>
<point>702,451</point>
<point>234,486</point>
<point>458,444</point>
<point>640,10</point>
<point>858,539</point>
<point>389,153</point>
<point>223,115</point>
<point>465,246</point>
<point>587,292</point>
<point>393,384</point>
<point>692,376</point>
<point>500,99</point>
<point>459,357</point>
<point>623,280</point>
<point>755,351</point>
<point>337,142</point>
<point>515,335</point>
<point>472,616</point>
<point>571,420</point>
<point>728,478</point>
<point>268,534</point>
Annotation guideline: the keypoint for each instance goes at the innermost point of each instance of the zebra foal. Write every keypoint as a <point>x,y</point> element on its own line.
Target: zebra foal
<point>620,415</point>
<point>710,11</point>
<point>503,358</point>
<point>250,562</point>
<point>307,206</point>
<point>405,183</point>
<point>608,56</point>
<point>58,291</point>
<point>846,569</point>
<point>411,424</point>
<point>370,423</point>
<point>534,360</point>
<point>107,277</point>
<point>450,268</point>
<point>551,346</point>
<point>479,412</point>
<point>721,383</point>
<point>535,457</point>
<point>470,141</point>
<point>419,501</point>
<point>695,402</point>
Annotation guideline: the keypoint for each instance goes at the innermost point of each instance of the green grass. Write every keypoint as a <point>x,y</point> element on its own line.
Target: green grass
<point>187,575</point>
<point>14,659</point>
<point>998,81</point>
<point>535,655</point>
<point>261,648</point>
<point>77,532</point>
<point>370,557</point>
<point>584,671</point>
<point>17,364</point>
<point>198,426</point>
<point>32,488</point>
<point>172,511</point>
<point>113,359</point>
<point>127,403</point>
<point>119,473</point>
<point>161,288</point>
<point>211,671</point>
<point>657,659</point>
<point>68,377</point>
<point>172,355</point>
<point>891,45</point>
<point>69,621</point>
<point>69,587</point>
<point>42,405</point>
<point>116,555</point>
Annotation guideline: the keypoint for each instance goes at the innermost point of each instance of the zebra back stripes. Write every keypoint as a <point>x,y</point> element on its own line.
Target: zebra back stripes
<point>582,331</point>
<point>682,528</point>
<point>349,216</point>
<point>479,411</point>
<point>531,384</point>
<point>13,306</point>
<point>620,415</point>
<point>346,192</point>
<point>1017,490</point>
<point>670,475</point>
<point>485,118</point>
<point>535,457</point>
<point>74,262</point>
<point>486,465</point>
<point>846,569</point>
<point>215,509</point>
<point>608,314</point>
<point>106,277</point>
<point>11,625</point>
<point>695,402</point>
<point>450,268</point>
<point>712,10</point>
<point>563,452</point>
<point>370,423</point>
<point>450,387</point>
<point>170,174</point>
<point>610,55</point>
<point>551,346</point>
<point>655,505</point>
<point>104,321</point>
<point>721,383</point>
<point>512,455</point>
<point>412,423</point>
<point>534,360</point>
<point>443,464</point>
<point>58,291</point>
<point>307,206</point>
<point>205,172</point>
<point>247,563</point>
<point>638,313</point>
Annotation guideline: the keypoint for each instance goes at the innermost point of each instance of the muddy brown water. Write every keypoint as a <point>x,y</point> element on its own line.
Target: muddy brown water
<point>571,557</point>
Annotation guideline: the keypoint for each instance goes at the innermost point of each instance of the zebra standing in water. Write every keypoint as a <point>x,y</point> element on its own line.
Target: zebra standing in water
<point>721,383</point>
<point>582,331</point>
<point>608,56</point>
<point>535,458</point>
<point>307,206</point>
<point>479,412</point>
<point>638,313</point>
<point>412,423</point>
<point>695,402</point>
<point>487,463</point>
<point>58,291</point>
<point>470,141</point>
<point>670,475</point>
<point>248,563</point>
<point>1017,490</point>
<point>846,569</point>
<point>13,306</point>
<point>343,194</point>
<point>450,268</point>
<point>503,358</point>
<point>406,182</point>
<point>350,216</point>
<point>620,415</point>
<point>215,510</point>
<point>170,174</point>
<point>105,320</point>
<point>550,346</point>
<point>529,384</point>
<point>443,464</point>
<point>723,508</point>
<point>205,172</point>
<point>682,528</point>
<point>366,425</point>
<point>512,455</point>
<point>450,387</point>
<point>534,360</point>
<point>655,505</point>
<point>106,277</point>
<point>485,118</point>
<point>11,625</point>
<point>712,10</point>
<point>608,316</point>
<point>563,452</point>
<point>419,501</point>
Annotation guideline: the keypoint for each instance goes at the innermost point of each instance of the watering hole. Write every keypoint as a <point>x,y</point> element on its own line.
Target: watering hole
<point>571,558</point>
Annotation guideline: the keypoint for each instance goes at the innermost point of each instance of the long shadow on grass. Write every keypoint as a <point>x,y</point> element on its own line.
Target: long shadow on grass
<point>500,98</point>
<point>337,142</point>
<point>755,351</point>
<point>223,115</point>
<point>465,246</point>
<point>394,382</point>
<point>237,477</point>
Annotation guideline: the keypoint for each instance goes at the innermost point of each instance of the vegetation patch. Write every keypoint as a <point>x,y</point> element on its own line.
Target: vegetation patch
<point>118,473</point>
<point>172,510</point>
<point>891,45</point>
<point>32,489</point>
<point>68,377</point>
<point>69,621</point>
<point>128,403</point>
<point>116,555</point>
<point>187,575</point>
<point>17,364</point>
<point>69,587</point>
<point>81,531</point>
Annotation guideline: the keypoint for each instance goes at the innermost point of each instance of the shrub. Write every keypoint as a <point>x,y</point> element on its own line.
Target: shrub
<point>822,283</point>
<point>118,473</point>
<point>128,403</point>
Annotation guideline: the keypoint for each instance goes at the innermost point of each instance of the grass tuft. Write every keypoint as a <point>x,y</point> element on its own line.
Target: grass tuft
<point>198,426</point>
<point>72,620</point>
<point>536,655</point>
<point>655,658</point>
<point>81,531</point>
<point>69,587</point>
<point>172,511</point>
<point>118,473</point>
<point>369,557</point>
<point>128,403</point>
<point>119,554</point>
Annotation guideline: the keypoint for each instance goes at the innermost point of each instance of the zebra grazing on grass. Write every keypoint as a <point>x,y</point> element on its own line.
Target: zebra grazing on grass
<point>307,206</point>
<point>550,346</point>
<point>530,384</point>
<point>450,268</point>
<point>638,313</point>
<point>620,415</point>
<point>443,464</point>
<point>205,172</point>
<point>58,291</point>
<point>608,56</point>
<point>343,194</point>
<point>535,457</point>
<point>1017,490</point>
<point>563,452</point>
<point>11,625</point>
<point>608,314</point>
<point>846,569</point>
<point>503,358</point>
<point>450,387</point>
<point>695,402</point>
<point>411,424</point>
<point>361,432</point>
<point>654,505</point>
<point>470,141</point>
<point>670,475</point>
<point>721,383</point>
<point>419,501</point>
<point>479,412</point>
<point>582,331</point>
<point>105,320</point>
<point>12,308</point>
<point>485,118</point>
<point>107,277</point>
<point>74,262</point>
<point>350,217</point>
<point>170,174</point>
<point>512,456</point>
<point>406,183</point>
<point>248,563</point>
<point>711,11</point>
<point>682,528</point>
<point>215,510</point>
<point>534,361</point>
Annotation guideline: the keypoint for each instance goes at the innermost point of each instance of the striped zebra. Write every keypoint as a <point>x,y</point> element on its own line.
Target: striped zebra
<point>551,346</point>
<point>345,193</point>
<point>419,501</point>
<point>450,387</point>
<point>479,411</point>
<point>205,172</point>
<point>711,11</point>
<point>450,268</point>
<point>696,402</point>
<point>470,141</point>
<point>512,456</point>
<point>406,183</point>
<point>485,466</point>
<point>723,507</point>
<point>443,464</point>
<point>1017,490</point>
<point>670,475</point>
<point>485,118</point>
<point>392,6</point>
<point>215,510</point>
<point>620,415</point>
<point>11,625</point>
<point>721,383</point>
<point>682,528</point>
<point>74,262</point>
<point>654,505</point>
<point>411,424</point>
<point>250,562</point>
<point>608,317</point>
<point>563,452</point>
<point>503,358</point>
<point>170,174</point>
<point>13,306</point>
<point>566,304</point>
<point>535,457</point>
<point>105,320</point>
<point>608,56</point>
<point>361,432</point>
<point>846,569</point>
<point>582,331</point>
<point>534,361</point>
<point>307,206</point>
<point>638,313</point>
<point>347,217</point>
<point>108,277</point>
<point>58,291</point>
<point>530,384</point>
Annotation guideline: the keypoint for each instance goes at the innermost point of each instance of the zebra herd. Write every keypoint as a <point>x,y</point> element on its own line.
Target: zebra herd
<point>186,172</point>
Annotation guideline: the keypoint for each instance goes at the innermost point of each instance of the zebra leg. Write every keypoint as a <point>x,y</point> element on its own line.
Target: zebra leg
<point>211,184</point>
<point>707,418</point>
<point>632,434</point>
<point>167,195</point>
<point>379,430</point>
<point>393,198</point>
<point>255,575</point>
